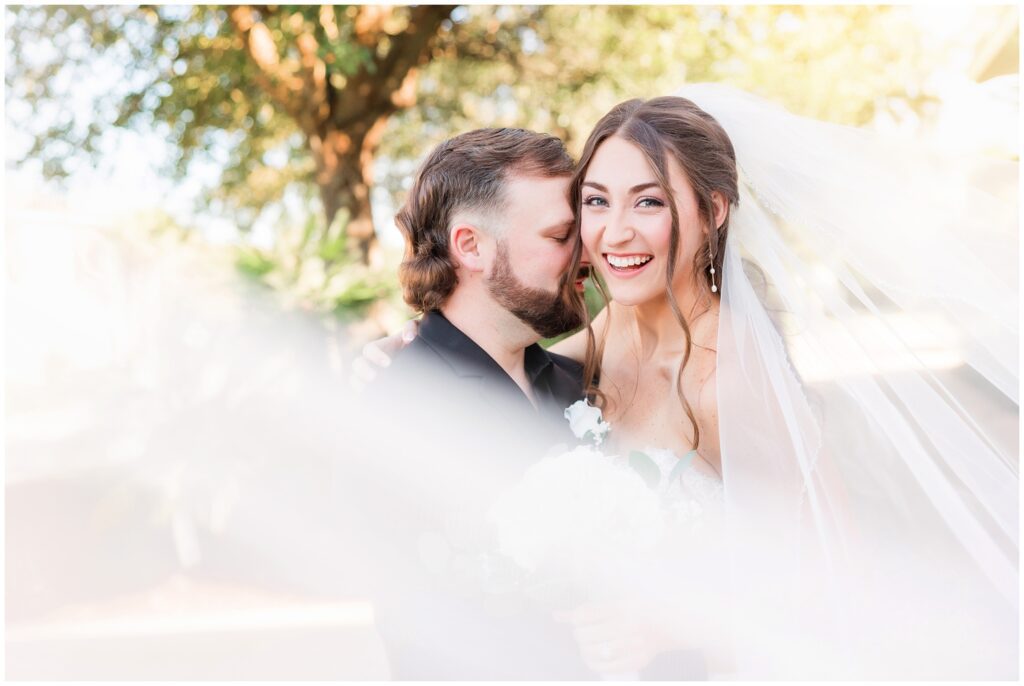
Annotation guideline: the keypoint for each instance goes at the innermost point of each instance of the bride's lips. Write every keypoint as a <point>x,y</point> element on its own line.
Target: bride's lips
<point>629,271</point>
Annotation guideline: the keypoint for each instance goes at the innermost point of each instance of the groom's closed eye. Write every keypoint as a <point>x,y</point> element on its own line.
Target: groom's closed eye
<point>560,236</point>
<point>561,233</point>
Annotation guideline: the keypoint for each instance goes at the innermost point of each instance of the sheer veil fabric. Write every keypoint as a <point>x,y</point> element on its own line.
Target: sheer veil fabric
<point>867,362</point>
<point>867,338</point>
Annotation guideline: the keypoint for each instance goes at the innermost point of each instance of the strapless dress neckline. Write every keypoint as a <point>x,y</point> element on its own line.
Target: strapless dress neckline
<point>689,493</point>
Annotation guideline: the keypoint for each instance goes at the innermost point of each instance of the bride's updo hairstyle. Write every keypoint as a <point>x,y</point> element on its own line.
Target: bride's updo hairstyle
<point>660,127</point>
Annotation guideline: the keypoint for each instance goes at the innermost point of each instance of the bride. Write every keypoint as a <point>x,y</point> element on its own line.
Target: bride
<point>861,485</point>
<point>656,239</point>
<point>779,294</point>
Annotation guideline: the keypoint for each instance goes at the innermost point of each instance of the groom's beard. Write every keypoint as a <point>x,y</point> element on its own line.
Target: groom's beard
<point>547,313</point>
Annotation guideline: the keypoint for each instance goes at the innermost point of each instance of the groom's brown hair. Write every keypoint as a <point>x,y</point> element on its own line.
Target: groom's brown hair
<point>464,173</point>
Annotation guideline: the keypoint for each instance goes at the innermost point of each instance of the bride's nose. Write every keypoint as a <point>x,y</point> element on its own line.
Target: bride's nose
<point>618,230</point>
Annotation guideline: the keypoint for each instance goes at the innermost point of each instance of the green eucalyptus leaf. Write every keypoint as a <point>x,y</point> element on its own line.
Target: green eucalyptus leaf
<point>643,465</point>
<point>682,464</point>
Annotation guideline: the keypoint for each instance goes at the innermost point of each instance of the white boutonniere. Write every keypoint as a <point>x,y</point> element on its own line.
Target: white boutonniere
<point>585,420</point>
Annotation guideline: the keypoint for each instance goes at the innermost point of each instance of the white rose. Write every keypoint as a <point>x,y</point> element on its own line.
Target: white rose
<point>585,419</point>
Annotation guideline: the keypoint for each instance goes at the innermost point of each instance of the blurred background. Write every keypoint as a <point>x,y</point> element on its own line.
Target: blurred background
<point>199,209</point>
<point>288,135</point>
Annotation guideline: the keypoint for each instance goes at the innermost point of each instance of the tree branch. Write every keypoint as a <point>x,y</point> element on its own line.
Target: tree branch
<point>316,107</point>
<point>279,84</point>
<point>390,84</point>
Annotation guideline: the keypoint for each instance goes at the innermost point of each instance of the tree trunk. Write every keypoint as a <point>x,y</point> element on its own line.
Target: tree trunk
<point>343,187</point>
<point>343,125</point>
<point>344,175</point>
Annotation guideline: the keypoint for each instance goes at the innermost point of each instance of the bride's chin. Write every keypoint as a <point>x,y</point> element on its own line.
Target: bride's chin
<point>634,298</point>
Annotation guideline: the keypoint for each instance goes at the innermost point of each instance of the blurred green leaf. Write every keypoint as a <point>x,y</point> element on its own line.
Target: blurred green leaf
<point>254,263</point>
<point>643,465</point>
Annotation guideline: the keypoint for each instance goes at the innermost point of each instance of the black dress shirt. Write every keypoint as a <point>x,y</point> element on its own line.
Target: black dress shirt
<point>465,372</point>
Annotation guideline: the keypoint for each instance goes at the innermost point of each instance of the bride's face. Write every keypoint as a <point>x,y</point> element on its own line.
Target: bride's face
<point>626,222</point>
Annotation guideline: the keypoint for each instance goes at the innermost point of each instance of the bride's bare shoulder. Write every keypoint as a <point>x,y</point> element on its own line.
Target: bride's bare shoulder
<point>704,328</point>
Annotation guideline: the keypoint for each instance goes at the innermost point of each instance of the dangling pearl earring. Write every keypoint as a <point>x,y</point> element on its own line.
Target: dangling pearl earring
<point>714,288</point>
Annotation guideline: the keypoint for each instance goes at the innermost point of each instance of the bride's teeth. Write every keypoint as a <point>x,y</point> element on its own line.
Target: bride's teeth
<point>631,261</point>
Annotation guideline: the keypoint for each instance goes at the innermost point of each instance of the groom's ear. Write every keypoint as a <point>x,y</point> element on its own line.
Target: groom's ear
<point>466,243</point>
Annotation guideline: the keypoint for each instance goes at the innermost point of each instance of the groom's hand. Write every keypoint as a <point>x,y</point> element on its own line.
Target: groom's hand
<point>614,640</point>
<point>377,355</point>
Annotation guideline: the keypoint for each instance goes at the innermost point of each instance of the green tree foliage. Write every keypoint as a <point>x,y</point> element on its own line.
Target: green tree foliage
<point>559,68</point>
<point>285,93</point>
<point>317,271</point>
<point>311,97</point>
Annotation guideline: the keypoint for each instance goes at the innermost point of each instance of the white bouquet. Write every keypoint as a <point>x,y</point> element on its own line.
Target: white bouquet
<point>578,511</point>
<point>578,508</point>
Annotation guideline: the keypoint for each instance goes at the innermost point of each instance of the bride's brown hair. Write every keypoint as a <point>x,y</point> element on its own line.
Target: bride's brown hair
<point>702,148</point>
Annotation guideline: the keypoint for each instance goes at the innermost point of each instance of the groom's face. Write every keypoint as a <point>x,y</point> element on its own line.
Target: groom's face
<point>528,276</point>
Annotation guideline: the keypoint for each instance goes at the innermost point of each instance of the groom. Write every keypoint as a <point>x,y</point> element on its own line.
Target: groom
<point>489,238</point>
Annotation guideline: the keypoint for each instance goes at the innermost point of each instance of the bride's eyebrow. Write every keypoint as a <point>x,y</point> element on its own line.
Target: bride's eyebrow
<point>643,186</point>
<point>635,189</point>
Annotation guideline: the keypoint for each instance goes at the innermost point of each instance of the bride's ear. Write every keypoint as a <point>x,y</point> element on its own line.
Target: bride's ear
<point>465,247</point>
<point>721,208</point>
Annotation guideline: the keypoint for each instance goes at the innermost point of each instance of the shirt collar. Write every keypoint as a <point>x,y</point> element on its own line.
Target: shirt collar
<point>469,359</point>
<point>536,361</point>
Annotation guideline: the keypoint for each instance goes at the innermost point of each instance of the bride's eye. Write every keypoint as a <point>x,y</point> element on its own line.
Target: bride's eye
<point>595,201</point>
<point>649,202</point>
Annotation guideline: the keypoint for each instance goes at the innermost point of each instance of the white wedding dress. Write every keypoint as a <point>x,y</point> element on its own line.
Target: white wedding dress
<point>689,493</point>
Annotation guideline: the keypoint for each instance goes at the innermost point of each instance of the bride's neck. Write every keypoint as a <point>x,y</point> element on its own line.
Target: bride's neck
<point>656,325</point>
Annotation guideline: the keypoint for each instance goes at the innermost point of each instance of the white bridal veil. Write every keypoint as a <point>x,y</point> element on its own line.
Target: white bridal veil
<point>867,389</point>
<point>172,440</point>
